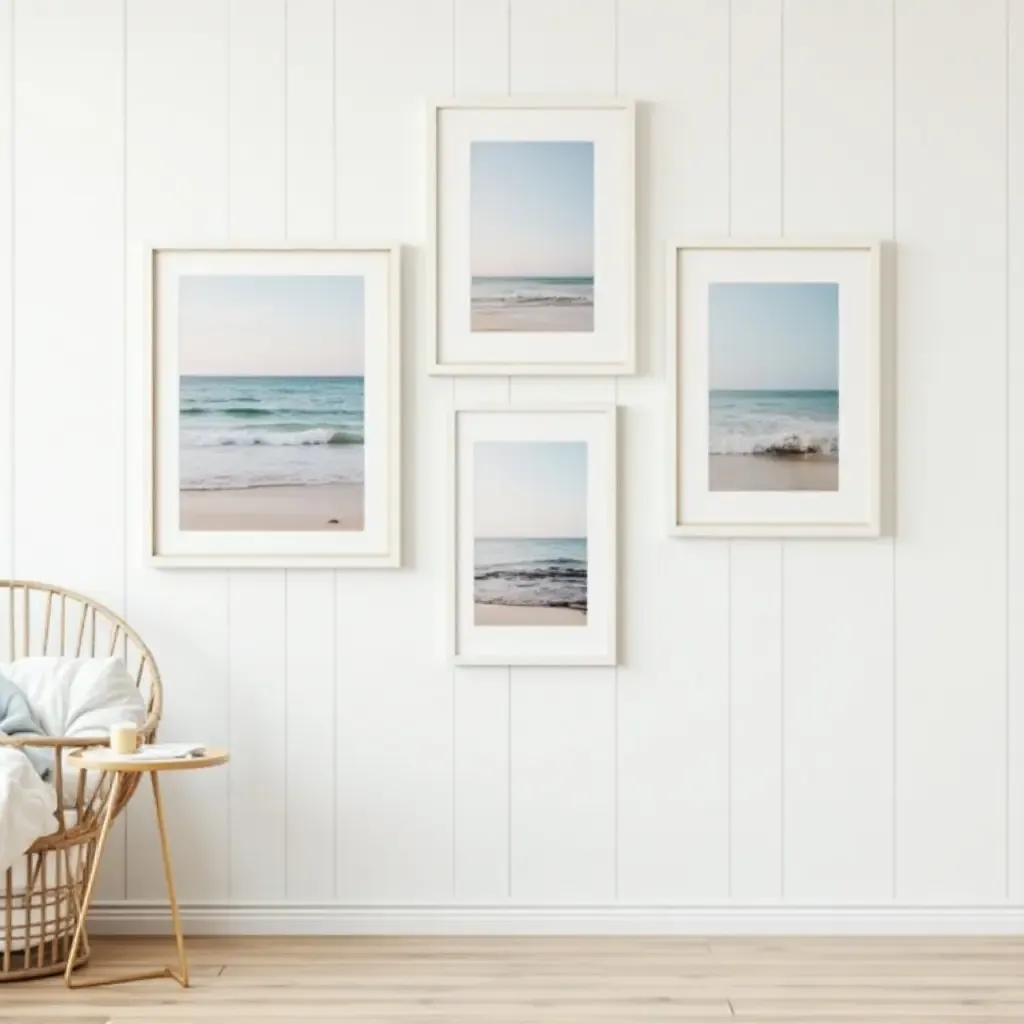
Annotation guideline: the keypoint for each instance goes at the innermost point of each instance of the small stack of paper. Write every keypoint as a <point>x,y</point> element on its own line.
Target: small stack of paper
<point>152,752</point>
<point>169,751</point>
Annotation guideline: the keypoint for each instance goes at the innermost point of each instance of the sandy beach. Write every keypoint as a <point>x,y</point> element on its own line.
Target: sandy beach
<point>533,318</point>
<point>773,473</point>
<point>512,615</point>
<point>312,507</point>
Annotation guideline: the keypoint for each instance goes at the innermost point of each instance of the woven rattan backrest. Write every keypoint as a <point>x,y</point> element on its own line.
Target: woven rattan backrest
<point>42,619</point>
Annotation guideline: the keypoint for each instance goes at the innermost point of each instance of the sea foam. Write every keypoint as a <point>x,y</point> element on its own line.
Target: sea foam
<point>781,423</point>
<point>240,432</point>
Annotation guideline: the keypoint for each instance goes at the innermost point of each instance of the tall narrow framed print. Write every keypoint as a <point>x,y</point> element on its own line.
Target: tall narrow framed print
<point>531,226</point>
<point>775,363</point>
<point>274,413</point>
<point>534,536</point>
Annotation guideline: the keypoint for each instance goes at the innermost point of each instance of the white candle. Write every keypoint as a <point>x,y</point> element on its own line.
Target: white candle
<point>123,738</point>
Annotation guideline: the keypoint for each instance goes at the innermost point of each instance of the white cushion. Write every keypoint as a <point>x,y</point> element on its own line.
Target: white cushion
<point>27,805</point>
<point>77,697</point>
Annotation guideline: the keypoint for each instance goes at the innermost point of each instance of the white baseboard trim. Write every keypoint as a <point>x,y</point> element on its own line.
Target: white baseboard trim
<point>150,918</point>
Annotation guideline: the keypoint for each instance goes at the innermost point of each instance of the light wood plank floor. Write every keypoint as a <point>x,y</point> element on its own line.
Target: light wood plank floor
<point>524,980</point>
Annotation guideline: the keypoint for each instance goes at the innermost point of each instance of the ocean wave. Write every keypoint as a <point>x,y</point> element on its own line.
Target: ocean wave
<point>525,574</point>
<point>555,582</point>
<point>275,439</point>
<point>244,411</point>
<point>547,299</point>
<point>531,299</point>
<point>532,601</point>
<point>226,482</point>
<point>781,444</point>
<point>785,424</point>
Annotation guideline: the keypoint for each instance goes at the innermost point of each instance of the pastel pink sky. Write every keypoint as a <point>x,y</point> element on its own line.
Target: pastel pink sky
<point>271,325</point>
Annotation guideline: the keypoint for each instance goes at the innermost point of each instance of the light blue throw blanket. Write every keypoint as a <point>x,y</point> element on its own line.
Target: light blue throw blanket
<point>16,719</point>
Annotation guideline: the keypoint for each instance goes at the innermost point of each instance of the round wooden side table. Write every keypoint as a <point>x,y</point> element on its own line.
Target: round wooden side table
<point>100,759</point>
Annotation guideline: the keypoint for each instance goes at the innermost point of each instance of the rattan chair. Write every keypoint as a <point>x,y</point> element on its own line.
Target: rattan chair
<point>41,896</point>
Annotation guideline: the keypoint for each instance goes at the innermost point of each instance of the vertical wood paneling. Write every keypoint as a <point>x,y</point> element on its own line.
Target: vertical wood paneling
<point>309,725</point>
<point>755,567</point>
<point>1015,461</point>
<point>482,767</point>
<point>482,44</point>
<point>380,86</point>
<point>660,783</point>
<point>68,396</point>
<point>550,55</point>
<point>257,103</point>
<point>951,460</point>
<point>755,117</point>
<point>482,694</point>
<point>177,175</point>
<point>562,46</point>
<point>673,760</point>
<point>310,614</point>
<point>309,115</point>
<point>257,657</point>
<point>838,704</point>
<point>68,211</point>
<point>837,612</point>
<point>394,715</point>
<point>563,787</point>
<point>7,539</point>
<point>256,598</point>
<point>755,748</point>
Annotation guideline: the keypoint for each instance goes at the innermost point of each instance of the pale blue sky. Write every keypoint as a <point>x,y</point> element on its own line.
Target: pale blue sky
<point>271,325</point>
<point>532,209</point>
<point>771,336</point>
<point>530,489</point>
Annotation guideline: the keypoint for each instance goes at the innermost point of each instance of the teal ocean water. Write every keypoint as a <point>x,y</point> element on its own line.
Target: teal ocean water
<point>511,292</point>
<point>240,432</point>
<point>774,422</point>
<point>544,573</point>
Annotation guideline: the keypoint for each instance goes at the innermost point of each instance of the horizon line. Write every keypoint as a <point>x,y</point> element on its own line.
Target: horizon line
<point>531,277</point>
<point>505,536</point>
<point>318,376</point>
<point>773,389</point>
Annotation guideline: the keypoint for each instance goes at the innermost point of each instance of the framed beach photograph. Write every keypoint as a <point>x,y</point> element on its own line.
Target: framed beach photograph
<point>775,361</point>
<point>274,414</point>
<point>534,531</point>
<point>531,229</point>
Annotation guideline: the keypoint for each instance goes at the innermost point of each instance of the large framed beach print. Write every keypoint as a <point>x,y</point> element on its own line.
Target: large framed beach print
<point>274,377</point>
<point>775,362</point>
<point>533,524</point>
<point>531,225</point>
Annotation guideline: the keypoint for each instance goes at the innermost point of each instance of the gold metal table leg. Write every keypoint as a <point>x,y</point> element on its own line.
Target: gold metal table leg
<point>181,975</point>
<point>83,910</point>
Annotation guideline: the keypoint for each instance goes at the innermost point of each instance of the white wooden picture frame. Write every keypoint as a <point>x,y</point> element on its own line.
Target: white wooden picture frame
<point>531,236</point>
<point>273,429</point>
<point>533,564</point>
<point>775,368</point>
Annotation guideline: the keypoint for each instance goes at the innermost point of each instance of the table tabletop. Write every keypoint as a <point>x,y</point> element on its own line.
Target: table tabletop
<point>100,759</point>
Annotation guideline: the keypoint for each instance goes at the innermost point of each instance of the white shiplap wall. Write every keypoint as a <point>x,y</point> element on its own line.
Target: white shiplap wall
<point>826,725</point>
